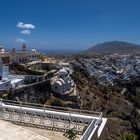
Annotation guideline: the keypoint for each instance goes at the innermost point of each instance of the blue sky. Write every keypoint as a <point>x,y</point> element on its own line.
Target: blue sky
<point>68,24</point>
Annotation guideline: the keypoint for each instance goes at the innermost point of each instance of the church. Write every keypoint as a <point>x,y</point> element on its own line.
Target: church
<point>62,82</point>
<point>19,56</point>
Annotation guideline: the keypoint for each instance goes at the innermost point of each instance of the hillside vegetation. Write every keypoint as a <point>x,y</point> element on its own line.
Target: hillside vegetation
<point>122,110</point>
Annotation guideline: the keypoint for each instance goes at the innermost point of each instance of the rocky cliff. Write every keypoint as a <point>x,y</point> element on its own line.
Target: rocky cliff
<point>121,109</point>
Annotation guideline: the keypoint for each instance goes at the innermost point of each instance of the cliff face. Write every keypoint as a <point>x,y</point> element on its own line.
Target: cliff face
<point>120,110</point>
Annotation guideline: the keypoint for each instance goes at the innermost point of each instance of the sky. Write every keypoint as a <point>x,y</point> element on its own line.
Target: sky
<point>68,24</point>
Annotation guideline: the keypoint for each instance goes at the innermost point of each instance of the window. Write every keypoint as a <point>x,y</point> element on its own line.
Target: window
<point>55,87</point>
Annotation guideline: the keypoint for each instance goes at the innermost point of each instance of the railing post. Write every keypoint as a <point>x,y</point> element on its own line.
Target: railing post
<point>1,107</point>
<point>21,112</point>
<point>1,102</point>
<point>53,123</point>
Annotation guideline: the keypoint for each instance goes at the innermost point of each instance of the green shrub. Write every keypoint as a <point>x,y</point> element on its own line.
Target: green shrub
<point>127,136</point>
<point>28,71</point>
<point>41,99</point>
<point>57,102</point>
<point>71,134</point>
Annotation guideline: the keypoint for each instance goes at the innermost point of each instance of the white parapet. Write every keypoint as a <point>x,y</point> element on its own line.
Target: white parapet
<point>58,118</point>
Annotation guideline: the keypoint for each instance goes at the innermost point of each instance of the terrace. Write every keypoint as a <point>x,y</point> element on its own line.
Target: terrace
<point>88,125</point>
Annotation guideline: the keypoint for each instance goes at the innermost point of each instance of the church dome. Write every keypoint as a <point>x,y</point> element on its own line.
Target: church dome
<point>61,80</point>
<point>2,50</point>
<point>33,50</point>
<point>63,71</point>
<point>59,83</point>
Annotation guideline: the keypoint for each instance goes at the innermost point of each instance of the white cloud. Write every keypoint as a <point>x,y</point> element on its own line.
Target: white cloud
<point>25,26</point>
<point>19,40</point>
<point>26,32</point>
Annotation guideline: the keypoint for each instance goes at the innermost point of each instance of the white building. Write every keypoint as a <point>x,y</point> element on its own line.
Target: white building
<point>5,85</point>
<point>8,81</point>
<point>5,72</point>
<point>21,56</point>
<point>67,67</point>
<point>62,82</point>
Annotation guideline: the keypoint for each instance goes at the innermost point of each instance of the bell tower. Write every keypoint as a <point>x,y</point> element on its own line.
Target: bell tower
<point>24,48</point>
<point>14,51</point>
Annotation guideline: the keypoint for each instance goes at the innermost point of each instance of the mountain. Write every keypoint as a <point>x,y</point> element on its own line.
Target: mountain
<point>115,47</point>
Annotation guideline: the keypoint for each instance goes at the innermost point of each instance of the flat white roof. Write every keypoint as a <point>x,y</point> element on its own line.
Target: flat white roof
<point>4,81</point>
<point>33,62</point>
<point>16,80</point>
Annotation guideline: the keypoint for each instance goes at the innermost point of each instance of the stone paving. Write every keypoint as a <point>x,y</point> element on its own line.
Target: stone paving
<point>9,131</point>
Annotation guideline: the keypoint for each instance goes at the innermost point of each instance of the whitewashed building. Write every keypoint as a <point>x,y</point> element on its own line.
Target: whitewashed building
<point>62,82</point>
<point>7,80</point>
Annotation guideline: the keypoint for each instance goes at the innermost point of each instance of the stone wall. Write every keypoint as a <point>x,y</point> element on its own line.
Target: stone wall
<point>32,92</point>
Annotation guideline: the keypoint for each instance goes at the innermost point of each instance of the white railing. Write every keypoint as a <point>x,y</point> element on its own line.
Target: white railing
<point>89,130</point>
<point>91,127</point>
<point>53,117</point>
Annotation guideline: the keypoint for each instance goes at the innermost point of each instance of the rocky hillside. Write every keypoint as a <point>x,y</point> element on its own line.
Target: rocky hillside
<point>121,109</point>
<point>115,47</point>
